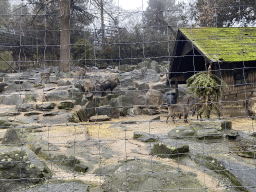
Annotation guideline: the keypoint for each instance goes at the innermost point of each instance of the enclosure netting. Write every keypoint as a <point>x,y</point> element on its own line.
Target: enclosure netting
<point>98,97</point>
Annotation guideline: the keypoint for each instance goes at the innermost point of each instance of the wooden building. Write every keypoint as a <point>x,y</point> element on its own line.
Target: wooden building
<point>231,52</point>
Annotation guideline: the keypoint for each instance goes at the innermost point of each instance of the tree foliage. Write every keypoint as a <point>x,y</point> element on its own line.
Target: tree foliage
<point>207,87</point>
<point>212,13</point>
<point>82,52</point>
<point>5,9</point>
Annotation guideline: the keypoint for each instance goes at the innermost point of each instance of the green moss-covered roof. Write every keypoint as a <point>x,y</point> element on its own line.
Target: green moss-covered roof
<point>230,44</point>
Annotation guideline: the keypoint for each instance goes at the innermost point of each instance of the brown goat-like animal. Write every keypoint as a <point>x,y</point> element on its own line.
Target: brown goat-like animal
<point>109,84</point>
<point>81,73</point>
<point>250,107</point>
<point>182,109</point>
<point>45,75</point>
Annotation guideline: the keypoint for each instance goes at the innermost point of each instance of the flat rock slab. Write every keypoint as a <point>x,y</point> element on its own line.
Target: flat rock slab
<point>144,137</point>
<point>165,150</point>
<point>98,118</point>
<point>146,175</point>
<point>150,112</point>
<point>181,132</point>
<point>53,113</point>
<point>69,104</point>
<point>57,187</point>
<point>8,110</point>
<point>58,118</point>
<point>25,107</point>
<point>232,135</point>
<point>212,124</point>
<point>209,134</point>
<point>46,106</point>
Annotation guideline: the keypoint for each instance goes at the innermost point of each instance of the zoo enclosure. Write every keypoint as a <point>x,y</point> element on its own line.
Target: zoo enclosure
<point>112,42</point>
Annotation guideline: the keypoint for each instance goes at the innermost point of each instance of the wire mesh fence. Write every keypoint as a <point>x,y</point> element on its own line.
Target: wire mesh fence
<point>96,96</point>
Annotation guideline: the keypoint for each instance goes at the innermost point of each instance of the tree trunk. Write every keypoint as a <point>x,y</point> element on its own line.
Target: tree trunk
<point>64,36</point>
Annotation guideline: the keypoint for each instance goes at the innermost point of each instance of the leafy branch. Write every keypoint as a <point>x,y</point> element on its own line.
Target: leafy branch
<point>208,88</point>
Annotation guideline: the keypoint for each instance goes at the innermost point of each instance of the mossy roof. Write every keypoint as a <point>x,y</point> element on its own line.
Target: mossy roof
<point>230,44</point>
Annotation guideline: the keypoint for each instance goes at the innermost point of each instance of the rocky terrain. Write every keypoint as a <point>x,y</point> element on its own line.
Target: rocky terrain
<point>60,134</point>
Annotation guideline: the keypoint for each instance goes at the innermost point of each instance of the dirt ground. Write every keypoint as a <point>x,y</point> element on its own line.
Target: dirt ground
<point>118,134</point>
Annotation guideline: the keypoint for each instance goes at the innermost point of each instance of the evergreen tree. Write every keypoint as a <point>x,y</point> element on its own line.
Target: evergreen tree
<point>207,87</point>
<point>212,13</point>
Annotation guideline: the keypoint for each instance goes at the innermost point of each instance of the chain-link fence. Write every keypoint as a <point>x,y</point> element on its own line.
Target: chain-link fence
<point>97,96</point>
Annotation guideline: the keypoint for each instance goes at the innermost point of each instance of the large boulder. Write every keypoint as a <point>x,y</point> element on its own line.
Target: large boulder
<point>69,104</point>
<point>137,74</point>
<point>208,134</point>
<point>151,76</point>
<point>75,94</point>
<point>144,63</point>
<point>144,137</point>
<point>11,137</point>
<point>127,81</point>
<point>37,78</point>
<point>30,97</point>
<point>134,111</point>
<point>61,186</point>
<point>120,105</point>
<point>63,82</point>
<point>8,110</point>
<point>52,78</point>
<point>149,111</point>
<point>140,85</point>
<point>12,87</point>
<point>154,65</point>
<point>115,107</point>
<point>146,175</point>
<point>20,168</point>
<point>55,117</point>
<point>181,132</point>
<point>211,124</point>
<point>99,118</point>
<point>5,124</point>
<point>160,86</point>
<point>86,111</point>
<point>154,97</point>
<point>103,110</point>
<point>13,99</point>
<point>135,96</point>
<point>25,107</point>
<point>166,150</point>
<point>100,101</point>
<point>11,77</point>
<point>27,86</point>
<point>73,115</point>
<point>46,106</point>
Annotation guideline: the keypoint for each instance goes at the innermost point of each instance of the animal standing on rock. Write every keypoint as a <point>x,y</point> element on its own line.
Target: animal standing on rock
<point>2,86</point>
<point>109,84</point>
<point>46,76</point>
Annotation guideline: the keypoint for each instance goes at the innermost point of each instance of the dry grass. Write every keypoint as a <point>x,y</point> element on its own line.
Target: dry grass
<point>244,124</point>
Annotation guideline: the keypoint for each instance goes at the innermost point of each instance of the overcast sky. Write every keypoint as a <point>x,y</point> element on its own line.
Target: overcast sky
<point>132,4</point>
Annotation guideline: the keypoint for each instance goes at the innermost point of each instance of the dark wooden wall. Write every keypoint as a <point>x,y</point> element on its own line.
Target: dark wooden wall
<point>234,95</point>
